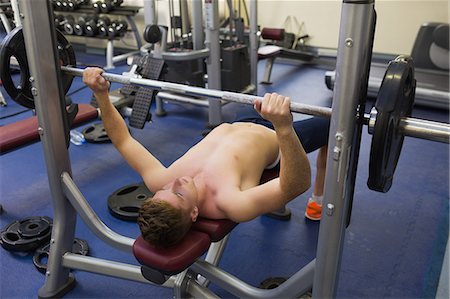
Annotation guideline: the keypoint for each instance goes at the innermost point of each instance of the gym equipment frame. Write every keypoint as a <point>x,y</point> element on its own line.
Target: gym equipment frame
<point>210,39</point>
<point>355,46</point>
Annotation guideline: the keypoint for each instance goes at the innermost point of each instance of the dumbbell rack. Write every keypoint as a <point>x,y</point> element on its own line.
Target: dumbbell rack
<point>125,11</point>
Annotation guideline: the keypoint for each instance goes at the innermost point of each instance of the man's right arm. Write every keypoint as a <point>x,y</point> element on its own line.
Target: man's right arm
<point>137,156</point>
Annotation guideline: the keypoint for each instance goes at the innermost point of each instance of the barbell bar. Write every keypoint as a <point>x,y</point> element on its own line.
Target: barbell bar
<point>199,91</point>
<point>412,127</point>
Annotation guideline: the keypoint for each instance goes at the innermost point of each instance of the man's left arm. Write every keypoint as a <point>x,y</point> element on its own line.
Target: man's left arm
<point>295,172</point>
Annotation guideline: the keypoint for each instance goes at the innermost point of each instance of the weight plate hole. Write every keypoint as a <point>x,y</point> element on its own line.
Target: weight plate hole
<point>408,83</point>
<point>89,130</point>
<point>141,196</point>
<point>43,258</point>
<point>17,80</point>
<point>32,226</point>
<point>129,209</point>
<point>12,236</point>
<point>127,190</point>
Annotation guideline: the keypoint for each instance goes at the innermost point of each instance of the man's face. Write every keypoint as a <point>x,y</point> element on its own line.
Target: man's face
<point>181,194</point>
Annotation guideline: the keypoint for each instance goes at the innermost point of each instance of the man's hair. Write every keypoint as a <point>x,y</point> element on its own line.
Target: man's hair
<point>161,224</point>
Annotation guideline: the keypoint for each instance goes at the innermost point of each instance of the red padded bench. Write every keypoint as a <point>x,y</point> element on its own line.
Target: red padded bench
<point>272,51</point>
<point>25,131</point>
<point>159,264</point>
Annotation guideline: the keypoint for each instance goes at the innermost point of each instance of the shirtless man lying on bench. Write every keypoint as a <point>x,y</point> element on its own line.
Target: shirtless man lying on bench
<point>218,177</point>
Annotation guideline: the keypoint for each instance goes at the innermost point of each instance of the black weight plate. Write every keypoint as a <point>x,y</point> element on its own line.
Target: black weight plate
<point>27,234</point>
<point>79,247</point>
<point>125,202</point>
<point>96,133</point>
<point>395,100</point>
<point>271,283</point>
<point>152,34</point>
<point>14,46</point>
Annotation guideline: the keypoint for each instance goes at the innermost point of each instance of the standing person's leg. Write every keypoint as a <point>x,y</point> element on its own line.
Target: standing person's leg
<point>313,133</point>
<point>321,165</point>
<point>314,206</point>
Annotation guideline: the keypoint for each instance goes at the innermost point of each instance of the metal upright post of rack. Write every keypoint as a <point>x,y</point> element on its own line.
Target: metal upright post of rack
<point>149,12</point>
<point>213,61</point>
<point>354,53</point>
<point>50,109</point>
<point>254,44</point>
<point>197,25</point>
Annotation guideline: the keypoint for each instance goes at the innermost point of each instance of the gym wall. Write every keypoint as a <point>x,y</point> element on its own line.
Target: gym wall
<point>397,25</point>
<point>398,21</point>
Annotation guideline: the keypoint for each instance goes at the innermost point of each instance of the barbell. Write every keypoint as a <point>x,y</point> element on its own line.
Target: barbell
<point>389,121</point>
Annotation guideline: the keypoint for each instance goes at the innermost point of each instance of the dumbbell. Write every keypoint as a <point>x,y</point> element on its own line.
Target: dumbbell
<point>121,27</point>
<point>74,4</point>
<point>97,26</point>
<point>102,25</point>
<point>65,5</point>
<point>68,24</point>
<point>117,28</point>
<point>90,28</point>
<point>80,26</point>
<point>109,5</point>
<point>58,5</point>
<point>106,5</point>
<point>59,19</point>
<point>103,6</point>
<point>117,3</point>
<point>64,23</point>
<point>97,6</point>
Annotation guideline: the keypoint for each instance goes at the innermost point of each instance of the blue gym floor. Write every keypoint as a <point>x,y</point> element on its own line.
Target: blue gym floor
<point>394,246</point>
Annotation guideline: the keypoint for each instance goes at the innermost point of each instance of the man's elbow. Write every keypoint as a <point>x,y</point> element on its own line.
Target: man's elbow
<point>307,180</point>
<point>304,182</point>
<point>304,186</point>
<point>297,187</point>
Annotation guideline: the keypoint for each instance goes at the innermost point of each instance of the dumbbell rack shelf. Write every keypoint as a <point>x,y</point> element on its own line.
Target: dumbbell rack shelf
<point>121,10</point>
<point>125,11</point>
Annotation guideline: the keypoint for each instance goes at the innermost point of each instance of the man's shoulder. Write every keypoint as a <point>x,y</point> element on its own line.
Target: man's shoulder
<point>217,203</point>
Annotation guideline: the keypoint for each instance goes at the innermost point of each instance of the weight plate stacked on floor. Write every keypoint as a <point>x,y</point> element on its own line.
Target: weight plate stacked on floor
<point>27,234</point>
<point>271,283</point>
<point>79,247</point>
<point>96,133</point>
<point>125,202</point>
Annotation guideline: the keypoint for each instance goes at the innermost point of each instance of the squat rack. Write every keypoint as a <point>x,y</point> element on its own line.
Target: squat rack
<point>354,54</point>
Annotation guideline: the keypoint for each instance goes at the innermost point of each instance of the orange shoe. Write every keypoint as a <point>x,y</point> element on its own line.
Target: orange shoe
<point>313,210</point>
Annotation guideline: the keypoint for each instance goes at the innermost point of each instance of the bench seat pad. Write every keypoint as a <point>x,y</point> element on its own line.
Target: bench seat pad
<point>216,229</point>
<point>25,131</point>
<point>174,259</point>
